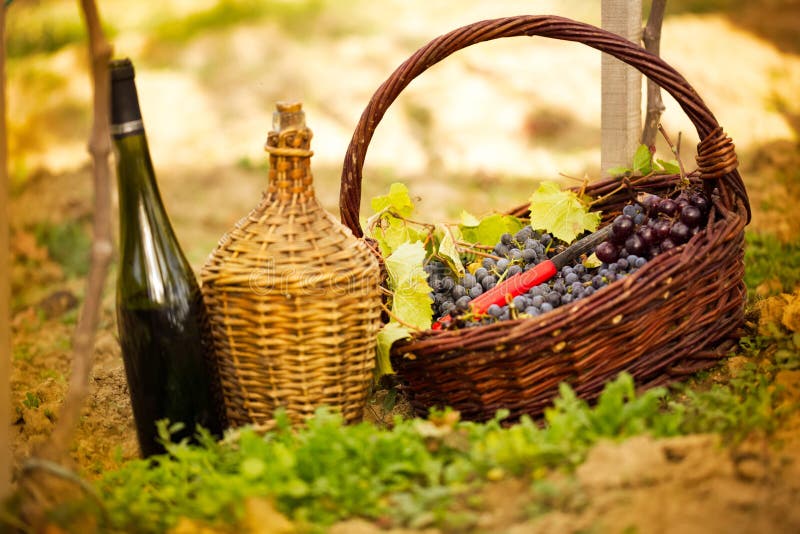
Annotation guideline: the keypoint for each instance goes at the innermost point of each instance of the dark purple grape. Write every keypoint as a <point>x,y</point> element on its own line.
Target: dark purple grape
<point>650,203</point>
<point>647,235</point>
<point>691,216</point>
<point>635,245</point>
<point>462,304</point>
<point>668,207</point>
<point>661,229</point>
<point>679,233</point>
<point>630,210</point>
<point>654,251</point>
<point>494,310</point>
<point>667,244</point>
<point>700,201</point>
<point>607,252</point>
<point>621,228</point>
<point>458,291</point>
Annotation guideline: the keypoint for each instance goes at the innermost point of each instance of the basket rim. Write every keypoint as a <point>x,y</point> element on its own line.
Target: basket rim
<point>716,153</point>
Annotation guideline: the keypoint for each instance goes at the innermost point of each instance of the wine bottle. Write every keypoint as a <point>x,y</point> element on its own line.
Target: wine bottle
<point>160,312</point>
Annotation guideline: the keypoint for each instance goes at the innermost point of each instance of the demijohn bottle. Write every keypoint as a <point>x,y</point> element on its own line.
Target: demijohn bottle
<point>160,313</point>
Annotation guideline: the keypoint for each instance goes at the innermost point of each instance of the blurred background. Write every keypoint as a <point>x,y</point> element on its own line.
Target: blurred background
<point>476,132</point>
<point>479,129</point>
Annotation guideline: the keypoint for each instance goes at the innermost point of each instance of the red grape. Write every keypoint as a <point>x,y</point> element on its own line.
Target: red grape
<point>607,252</point>
<point>661,229</point>
<point>668,207</point>
<point>621,228</point>
<point>635,245</point>
<point>680,233</point>
<point>691,216</point>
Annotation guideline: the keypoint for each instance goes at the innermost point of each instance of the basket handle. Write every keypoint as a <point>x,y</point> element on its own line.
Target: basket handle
<point>716,156</point>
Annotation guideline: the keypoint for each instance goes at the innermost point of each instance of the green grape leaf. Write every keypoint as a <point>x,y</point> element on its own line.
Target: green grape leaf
<point>392,232</point>
<point>398,200</point>
<point>390,333</point>
<point>468,219</point>
<point>643,160</point>
<point>408,281</point>
<point>618,171</point>
<point>670,166</point>
<point>561,212</point>
<point>489,229</point>
<point>448,251</point>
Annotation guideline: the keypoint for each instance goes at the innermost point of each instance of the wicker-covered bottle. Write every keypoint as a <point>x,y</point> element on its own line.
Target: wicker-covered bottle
<point>293,297</point>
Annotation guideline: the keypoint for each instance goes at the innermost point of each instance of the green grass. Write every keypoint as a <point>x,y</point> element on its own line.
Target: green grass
<point>767,258</point>
<point>67,244</point>
<point>45,27</point>
<point>423,473</point>
<point>294,17</point>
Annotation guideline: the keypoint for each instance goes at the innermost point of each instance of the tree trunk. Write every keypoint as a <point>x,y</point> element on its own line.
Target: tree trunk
<point>5,284</point>
<point>621,86</point>
<point>652,43</point>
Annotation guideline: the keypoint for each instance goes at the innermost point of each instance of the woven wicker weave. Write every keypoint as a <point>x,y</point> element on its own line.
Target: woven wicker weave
<point>293,297</point>
<point>676,315</point>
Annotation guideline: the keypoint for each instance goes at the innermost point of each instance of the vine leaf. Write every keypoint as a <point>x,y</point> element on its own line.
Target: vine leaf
<point>392,232</point>
<point>468,219</point>
<point>390,333</point>
<point>670,166</point>
<point>561,213</point>
<point>398,200</point>
<point>448,252</point>
<point>489,229</point>
<point>411,302</point>
<point>643,160</point>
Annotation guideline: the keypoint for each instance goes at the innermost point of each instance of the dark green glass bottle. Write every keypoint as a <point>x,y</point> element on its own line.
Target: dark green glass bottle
<point>160,313</point>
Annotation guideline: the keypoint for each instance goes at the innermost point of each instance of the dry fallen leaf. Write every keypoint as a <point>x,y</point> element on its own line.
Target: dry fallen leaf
<point>24,244</point>
<point>261,517</point>
<point>791,313</point>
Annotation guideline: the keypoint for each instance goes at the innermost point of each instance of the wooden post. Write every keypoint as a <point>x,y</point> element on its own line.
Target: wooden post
<point>621,86</point>
<point>5,283</point>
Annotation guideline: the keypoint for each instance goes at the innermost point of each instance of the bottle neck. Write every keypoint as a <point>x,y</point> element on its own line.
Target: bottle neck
<point>126,116</point>
<point>290,176</point>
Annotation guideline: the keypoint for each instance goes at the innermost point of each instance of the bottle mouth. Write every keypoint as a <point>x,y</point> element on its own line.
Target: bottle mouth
<point>121,69</point>
<point>288,116</point>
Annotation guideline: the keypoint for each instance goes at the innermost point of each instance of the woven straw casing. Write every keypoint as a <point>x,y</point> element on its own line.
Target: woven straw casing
<point>293,297</point>
<point>678,314</point>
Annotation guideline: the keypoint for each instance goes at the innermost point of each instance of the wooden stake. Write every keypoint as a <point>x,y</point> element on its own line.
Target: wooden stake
<point>100,149</point>
<point>5,283</point>
<point>621,86</point>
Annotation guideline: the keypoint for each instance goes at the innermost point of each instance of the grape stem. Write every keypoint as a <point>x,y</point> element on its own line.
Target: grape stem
<point>675,151</point>
<point>399,320</point>
<point>467,247</point>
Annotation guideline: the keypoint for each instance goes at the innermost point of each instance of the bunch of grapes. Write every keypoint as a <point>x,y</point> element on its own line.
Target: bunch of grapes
<point>655,225</point>
<point>572,283</point>
<point>645,229</point>
<point>514,253</point>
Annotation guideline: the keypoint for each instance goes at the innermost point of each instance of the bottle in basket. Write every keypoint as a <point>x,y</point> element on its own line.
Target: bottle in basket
<point>293,297</point>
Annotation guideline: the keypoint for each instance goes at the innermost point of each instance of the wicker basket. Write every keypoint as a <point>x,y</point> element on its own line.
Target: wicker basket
<point>293,297</point>
<point>678,314</point>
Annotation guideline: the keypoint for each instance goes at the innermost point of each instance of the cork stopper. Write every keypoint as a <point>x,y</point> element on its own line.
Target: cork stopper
<point>288,116</point>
